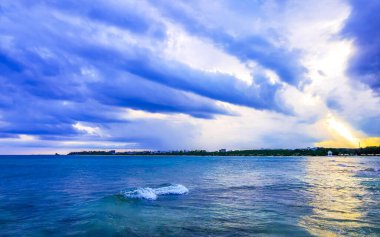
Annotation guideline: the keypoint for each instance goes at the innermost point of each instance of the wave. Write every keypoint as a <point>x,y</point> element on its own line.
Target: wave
<point>369,172</point>
<point>153,193</point>
<point>345,165</point>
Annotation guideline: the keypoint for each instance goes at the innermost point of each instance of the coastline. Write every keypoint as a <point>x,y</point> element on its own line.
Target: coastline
<point>319,151</point>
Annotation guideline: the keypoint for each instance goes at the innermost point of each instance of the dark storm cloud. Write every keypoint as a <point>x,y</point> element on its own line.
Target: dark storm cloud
<point>60,66</point>
<point>284,61</point>
<point>363,26</point>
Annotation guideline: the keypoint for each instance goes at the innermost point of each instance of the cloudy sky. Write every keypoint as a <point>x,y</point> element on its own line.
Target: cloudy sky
<point>200,74</point>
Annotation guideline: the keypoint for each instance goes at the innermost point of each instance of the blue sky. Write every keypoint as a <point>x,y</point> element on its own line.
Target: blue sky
<point>79,75</point>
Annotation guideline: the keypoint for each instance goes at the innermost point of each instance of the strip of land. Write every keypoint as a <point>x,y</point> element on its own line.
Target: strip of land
<point>317,151</point>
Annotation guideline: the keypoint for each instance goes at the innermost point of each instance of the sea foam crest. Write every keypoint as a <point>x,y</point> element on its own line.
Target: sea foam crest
<point>153,193</point>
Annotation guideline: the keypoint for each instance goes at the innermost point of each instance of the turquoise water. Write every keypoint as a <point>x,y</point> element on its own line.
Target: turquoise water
<point>189,196</point>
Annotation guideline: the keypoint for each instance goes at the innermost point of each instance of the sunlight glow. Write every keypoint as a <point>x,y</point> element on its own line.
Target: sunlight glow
<point>344,136</point>
<point>341,129</point>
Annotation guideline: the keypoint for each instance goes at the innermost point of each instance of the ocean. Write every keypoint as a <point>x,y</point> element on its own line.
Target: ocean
<point>189,196</point>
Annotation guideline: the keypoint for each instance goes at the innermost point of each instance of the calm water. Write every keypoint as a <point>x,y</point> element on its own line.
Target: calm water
<point>189,196</point>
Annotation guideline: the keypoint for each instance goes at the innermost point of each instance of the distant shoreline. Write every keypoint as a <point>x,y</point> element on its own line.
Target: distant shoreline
<point>318,151</point>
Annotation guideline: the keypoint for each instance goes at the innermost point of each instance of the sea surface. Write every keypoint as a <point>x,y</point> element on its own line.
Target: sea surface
<point>189,196</point>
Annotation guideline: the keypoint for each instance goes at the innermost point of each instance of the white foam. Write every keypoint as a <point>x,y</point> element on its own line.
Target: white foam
<point>153,193</point>
<point>140,193</point>
<point>176,189</point>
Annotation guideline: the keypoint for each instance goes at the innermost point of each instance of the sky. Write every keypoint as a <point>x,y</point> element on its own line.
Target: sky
<point>199,74</point>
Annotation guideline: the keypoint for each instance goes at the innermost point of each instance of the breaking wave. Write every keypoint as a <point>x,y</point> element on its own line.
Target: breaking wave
<point>153,193</point>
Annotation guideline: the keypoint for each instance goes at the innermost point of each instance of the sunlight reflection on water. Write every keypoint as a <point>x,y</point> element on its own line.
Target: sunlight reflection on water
<point>339,200</point>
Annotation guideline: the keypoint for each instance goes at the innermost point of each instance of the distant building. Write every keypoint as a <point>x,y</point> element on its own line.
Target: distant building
<point>113,152</point>
<point>222,150</point>
<point>329,153</point>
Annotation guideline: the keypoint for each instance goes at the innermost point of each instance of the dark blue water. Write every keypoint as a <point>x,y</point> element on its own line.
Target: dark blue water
<point>189,196</point>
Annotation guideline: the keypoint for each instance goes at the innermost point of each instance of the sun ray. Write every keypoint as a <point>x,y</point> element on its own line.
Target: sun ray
<point>343,135</point>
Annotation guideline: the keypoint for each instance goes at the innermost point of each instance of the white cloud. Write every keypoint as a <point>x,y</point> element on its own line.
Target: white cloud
<point>203,55</point>
<point>87,129</point>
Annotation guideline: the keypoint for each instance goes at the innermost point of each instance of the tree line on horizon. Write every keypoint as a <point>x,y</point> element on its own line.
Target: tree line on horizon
<point>319,151</point>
